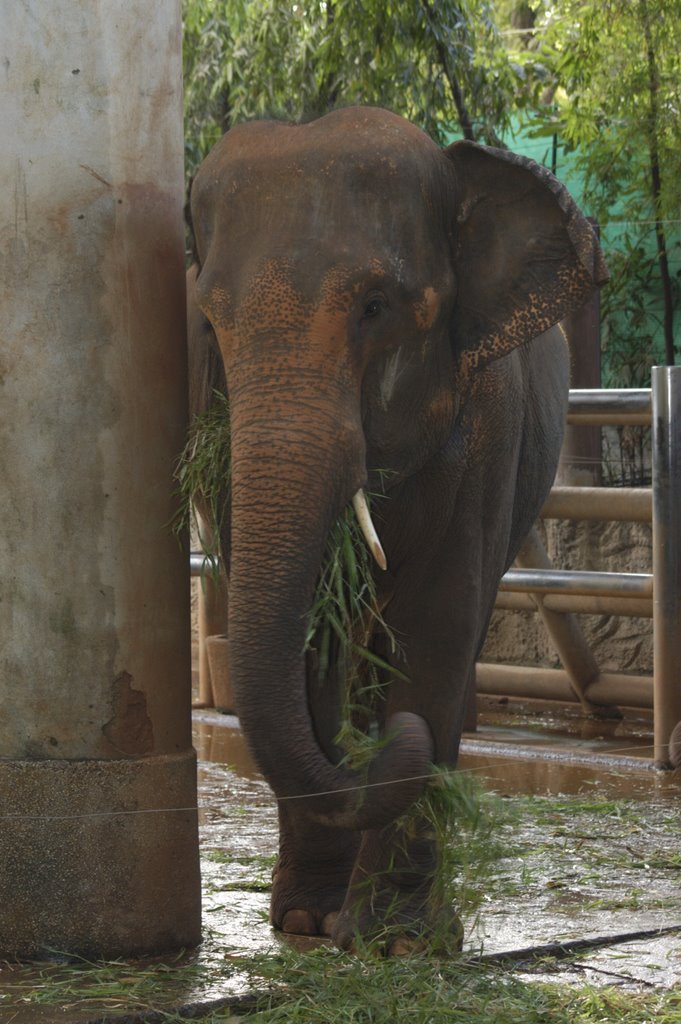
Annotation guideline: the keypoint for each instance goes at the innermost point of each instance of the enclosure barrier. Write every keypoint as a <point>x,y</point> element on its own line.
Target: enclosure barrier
<point>557,595</point>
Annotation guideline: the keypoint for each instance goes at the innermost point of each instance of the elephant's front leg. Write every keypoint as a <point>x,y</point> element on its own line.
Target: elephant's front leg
<point>392,884</point>
<point>315,862</point>
<point>312,872</point>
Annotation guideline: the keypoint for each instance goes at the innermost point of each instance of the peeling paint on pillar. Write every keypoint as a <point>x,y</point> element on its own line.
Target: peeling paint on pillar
<point>130,731</point>
<point>94,618</point>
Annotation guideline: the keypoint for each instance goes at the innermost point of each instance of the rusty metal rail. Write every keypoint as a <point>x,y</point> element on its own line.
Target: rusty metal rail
<point>612,504</point>
<point>558,594</point>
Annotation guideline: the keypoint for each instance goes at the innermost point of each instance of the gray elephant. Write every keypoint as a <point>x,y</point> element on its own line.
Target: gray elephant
<point>375,306</point>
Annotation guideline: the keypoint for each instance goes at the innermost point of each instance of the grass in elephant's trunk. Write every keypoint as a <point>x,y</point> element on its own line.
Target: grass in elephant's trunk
<point>344,609</point>
<point>343,616</point>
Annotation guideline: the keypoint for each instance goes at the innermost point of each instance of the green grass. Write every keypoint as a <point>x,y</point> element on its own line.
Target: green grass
<point>105,986</point>
<point>324,986</point>
<point>525,852</point>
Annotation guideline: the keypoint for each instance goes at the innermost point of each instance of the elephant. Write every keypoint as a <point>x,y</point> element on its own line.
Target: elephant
<point>375,305</point>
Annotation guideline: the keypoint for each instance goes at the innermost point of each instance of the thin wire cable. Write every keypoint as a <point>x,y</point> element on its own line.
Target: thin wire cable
<point>614,769</point>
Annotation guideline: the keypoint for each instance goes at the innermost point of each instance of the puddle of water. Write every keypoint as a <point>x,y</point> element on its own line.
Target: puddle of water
<point>510,758</point>
<point>218,739</point>
<point>516,771</point>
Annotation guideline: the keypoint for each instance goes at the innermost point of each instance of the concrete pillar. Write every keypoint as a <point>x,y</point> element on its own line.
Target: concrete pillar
<point>98,826</point>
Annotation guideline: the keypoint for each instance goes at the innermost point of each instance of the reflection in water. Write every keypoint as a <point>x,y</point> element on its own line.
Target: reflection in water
<point>544,756</point>
<point>219,739</point>
<point>535,773</point>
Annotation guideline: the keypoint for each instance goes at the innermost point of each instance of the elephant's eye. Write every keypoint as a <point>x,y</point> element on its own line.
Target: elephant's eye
<point>373,309</point>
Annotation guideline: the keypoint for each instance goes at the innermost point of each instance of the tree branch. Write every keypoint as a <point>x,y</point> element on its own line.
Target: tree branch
<point>457,94</point>
<point>656,187</point>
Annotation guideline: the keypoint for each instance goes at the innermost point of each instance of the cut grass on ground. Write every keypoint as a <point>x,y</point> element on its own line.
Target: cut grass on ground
<point>324,986</point>
<point>550,856</point>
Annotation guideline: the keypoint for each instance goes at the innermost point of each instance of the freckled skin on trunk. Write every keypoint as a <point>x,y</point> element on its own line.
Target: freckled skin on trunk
<point>373,303</point>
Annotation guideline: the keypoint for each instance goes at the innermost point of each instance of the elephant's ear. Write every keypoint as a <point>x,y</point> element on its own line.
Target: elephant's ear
<point>524,254</point>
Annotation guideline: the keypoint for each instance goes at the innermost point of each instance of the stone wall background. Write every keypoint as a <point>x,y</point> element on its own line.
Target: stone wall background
<point>619,644</point>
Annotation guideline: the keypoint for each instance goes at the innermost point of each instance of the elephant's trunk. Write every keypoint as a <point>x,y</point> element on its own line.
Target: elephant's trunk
<point>297,459</point>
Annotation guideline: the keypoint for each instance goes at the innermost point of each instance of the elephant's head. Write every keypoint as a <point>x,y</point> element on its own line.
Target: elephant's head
<point>354,275</point>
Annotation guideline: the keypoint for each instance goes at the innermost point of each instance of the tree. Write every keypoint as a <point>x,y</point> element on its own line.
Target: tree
<point>614,77</point>
<point>442,64</point>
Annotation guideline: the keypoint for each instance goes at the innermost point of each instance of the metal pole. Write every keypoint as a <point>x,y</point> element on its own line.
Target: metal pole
<point>564,629</point>
<point>666,381</point>
<point>604,504</point>
<point>611,688</point>
<point>615,406</point>
<point>637,608</point>
<point>572,581</point>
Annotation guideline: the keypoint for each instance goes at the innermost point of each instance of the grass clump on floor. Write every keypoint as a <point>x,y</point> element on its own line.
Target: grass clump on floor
<point>323,986</point>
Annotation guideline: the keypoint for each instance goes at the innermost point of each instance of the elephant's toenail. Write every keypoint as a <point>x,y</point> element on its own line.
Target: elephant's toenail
<point>328,921</point>
<point>298,922</point>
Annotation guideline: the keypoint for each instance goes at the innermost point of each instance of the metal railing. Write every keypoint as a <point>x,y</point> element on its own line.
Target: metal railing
<point>558,594</point>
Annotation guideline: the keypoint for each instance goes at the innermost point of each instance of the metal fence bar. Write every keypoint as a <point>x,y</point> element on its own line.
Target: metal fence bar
<point>666,555</point>
<point>632,607</point>
<point>603,504</point>
<point>565,630</point>
<point>568,581</point>
<point>603,406</point>
<point>609,689</point>
<point>200,564</point>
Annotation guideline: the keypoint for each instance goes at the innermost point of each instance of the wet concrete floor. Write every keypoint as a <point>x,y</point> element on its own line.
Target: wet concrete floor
<point>595,850</point>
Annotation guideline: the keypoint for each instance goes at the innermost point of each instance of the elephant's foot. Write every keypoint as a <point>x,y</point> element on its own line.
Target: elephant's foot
<point>303,903</point>
<point>311,876</point>
<point>408,924</point>
<point>390,907</point>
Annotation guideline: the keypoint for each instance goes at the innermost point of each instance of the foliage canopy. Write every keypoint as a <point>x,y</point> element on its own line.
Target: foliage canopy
<point>611,92</point>
<point>599,78</point>
<point>443,65</point>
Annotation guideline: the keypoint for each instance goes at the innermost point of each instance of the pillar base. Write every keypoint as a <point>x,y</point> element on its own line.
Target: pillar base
<point>99,858</point>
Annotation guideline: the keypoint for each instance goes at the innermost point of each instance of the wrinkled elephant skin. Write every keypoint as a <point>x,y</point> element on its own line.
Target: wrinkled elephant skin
<point>375,306</point>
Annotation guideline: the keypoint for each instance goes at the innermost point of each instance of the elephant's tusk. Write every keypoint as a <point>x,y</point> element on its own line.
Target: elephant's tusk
<point>359,503</point>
